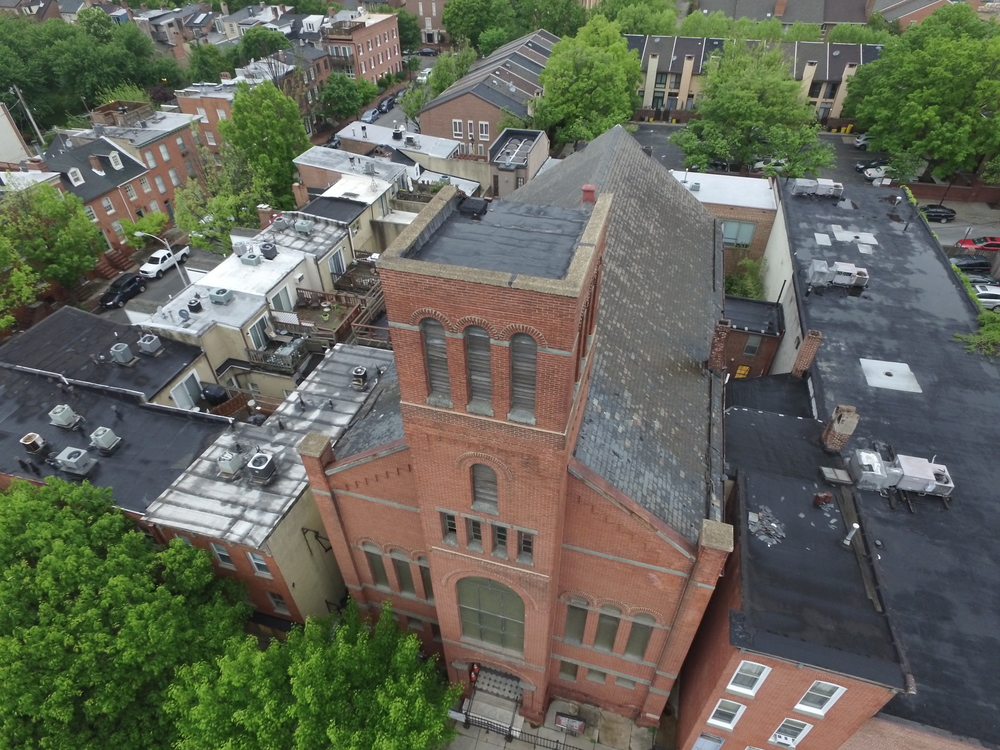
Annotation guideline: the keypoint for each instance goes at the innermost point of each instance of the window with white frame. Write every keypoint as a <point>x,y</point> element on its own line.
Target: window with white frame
<point>472,130</point>
<point>752,345</point>
<point>91,214</point>
<point>202,113</point>
<point>75,177</point>
<point>209,137</point>
<point>456,128</point>
<point>278,603</point>
<point>164,152</point>
<point>160,184</point>
<point>259,564</point>
<point>144,182</point>
<point>184,539</point>
<point>819,698</point>
<point>257,335</point>
<point>154,206</point>
<point>174,179</point>
<point>790,733</point>
<point>116,160</point>
<point>222,556</point>
<point>337,267</point>
<point>221,114</point>
<point>107,205</point>
<point>181,146</point>
<point>708,742</point>
<point>726,714</point>
<point>738,233</point>
<point>282,301</point>
<point>117,227</point>
<point>130,192</point>
<point>748,678</point>
<point>150,160</point>
<point>484,131</point>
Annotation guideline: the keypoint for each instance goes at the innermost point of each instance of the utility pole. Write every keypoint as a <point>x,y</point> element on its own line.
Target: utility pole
<point>20,98</point>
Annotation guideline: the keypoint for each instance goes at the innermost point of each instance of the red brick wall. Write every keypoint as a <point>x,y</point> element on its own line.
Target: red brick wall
<point>763,218</point>
<point>384,39</point>
<point>760,363</point>
<point>437,121</point>
<point>316,177</point>
<point>210,121</point>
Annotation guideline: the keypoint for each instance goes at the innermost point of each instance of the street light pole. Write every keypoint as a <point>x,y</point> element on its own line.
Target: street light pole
<point>180,266</point>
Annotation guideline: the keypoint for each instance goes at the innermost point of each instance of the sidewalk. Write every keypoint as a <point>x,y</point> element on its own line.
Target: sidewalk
<point>605,731</point>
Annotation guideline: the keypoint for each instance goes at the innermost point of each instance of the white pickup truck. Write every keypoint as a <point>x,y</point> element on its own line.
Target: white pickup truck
<point>161,261</point>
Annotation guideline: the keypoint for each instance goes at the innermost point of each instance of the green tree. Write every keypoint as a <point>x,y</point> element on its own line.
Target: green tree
<point>123,92</point>
<point>493,39</point>
<point>265,132</point>
<point>152,223</point>
<point>415,100</point>
<point>589,83</point>
<point>714,25</point>
<point>96,24</point>
<point>336,685</point>
<point>934,92</point>
<point>51,232</point>
<point>449,67</point>
<point>467,19</point>
<point>18,283</point>
<point>752,108</point>
<point>206,62</point>
<point>256,44</point>
<point>804,32</point>
<point>95,621</point>
<point>854,34</point>
<point>559,17</point>
<point>877,22</point>
<point>340,98</point>
<point>409,27</point>
<point>367,90</point>
<point>642,19</point>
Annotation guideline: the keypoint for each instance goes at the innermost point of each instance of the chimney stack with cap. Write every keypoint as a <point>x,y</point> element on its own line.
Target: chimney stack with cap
<point>839,429</point>
<point>590,194</point>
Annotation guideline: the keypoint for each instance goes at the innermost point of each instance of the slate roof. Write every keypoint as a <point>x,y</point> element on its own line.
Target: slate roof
<point>652,422</point>
<point>70,342</point>
<point>380,420</point>
<point>61,158</point>
<point>157,442</point>
<point>804,11</point>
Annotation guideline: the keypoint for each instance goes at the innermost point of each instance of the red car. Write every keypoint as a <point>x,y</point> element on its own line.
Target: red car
<point>980,244</point>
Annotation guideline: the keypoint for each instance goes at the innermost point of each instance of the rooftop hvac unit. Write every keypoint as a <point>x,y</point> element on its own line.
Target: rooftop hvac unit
<point>75,461</point>
<point>34,443</point>
<point>359,378</point>
<point>410,140</point>
<point>104,439</point>
<point>920,475</point>
<point>868,470</point>
<point>269,250</point>
<point>280,223</point>
<point>240,248</point>
<point>63,416</point>
<point>304,226</point>
<point>150,344</point>
<point>121,353</point>
<point>822,273</point>
<point>251,259</point>
<point>230,463</point>
<point>370,168</point>
<point>221,296</point>
<point>262,466</point>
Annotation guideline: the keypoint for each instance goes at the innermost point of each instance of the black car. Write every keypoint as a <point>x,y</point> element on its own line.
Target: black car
<point>386,104</point>
<point>861,166</point>
<point>427,52</point>
<point>122,289</point>
<point>972,263</point>
<point>937,212</point>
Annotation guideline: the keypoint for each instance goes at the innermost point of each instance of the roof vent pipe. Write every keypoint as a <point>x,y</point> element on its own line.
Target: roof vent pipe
<point>850,535</point>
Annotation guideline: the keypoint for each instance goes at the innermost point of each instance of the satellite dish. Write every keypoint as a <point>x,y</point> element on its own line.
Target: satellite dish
<point>183,314</point>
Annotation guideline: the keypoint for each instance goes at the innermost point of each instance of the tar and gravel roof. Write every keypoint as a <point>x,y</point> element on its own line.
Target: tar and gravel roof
<point>652,424</point>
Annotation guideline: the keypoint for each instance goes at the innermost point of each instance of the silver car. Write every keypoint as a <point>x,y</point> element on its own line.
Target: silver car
<point>988,296</point>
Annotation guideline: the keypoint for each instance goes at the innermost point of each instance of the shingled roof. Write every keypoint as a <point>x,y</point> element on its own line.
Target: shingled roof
<point>652,424</point>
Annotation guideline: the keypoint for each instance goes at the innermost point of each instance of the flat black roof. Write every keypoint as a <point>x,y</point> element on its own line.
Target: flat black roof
<point>939,566</point>
<point>158,443</point>
<point>804,597</point>
<point>70,342</point>
<point>517,238</point>
<point>780,394</point>
<point>338,209</point>
<point>754,315</point>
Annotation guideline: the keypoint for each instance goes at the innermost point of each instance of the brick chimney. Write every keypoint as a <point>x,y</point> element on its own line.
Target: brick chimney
<point>779,7</point>
<point>224,7</point>
<point>590,194</point>
<point>95,163</point>
<point>807,353</point>
<point>34,164</point>
<point>301,194</point>
<point>717,352</point>
<point>266,214</point>
<point>839,429</point>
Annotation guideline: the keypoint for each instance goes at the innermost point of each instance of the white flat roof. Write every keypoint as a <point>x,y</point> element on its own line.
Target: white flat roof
<point>335,160</point>
<point>728,190</point>
<point>469,187</point>
<point>361,188</point>
<point>379,135</point>
<point>233,273</point>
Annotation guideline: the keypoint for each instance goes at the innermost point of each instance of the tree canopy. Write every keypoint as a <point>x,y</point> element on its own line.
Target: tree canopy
<point>934,92</point>
<point>720,26</point>
<point>95,621</point>
<point>51,232</point>
<point>751,109</point>
<point>640,16</point>
<point>589,83</point>
<point>265,132</point>
<point>488,24</point>
<point>449,67</point>
<point>337,685</point>
<point>206,63</point>
<point>18,283</point>
<point>341,97</point>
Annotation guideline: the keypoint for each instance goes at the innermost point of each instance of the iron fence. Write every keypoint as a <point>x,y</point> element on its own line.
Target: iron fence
<point>502,729</point>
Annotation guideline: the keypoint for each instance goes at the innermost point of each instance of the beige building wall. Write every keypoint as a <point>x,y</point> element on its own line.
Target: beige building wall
<point>778,287</point>
<point>305,558</point>
<point>199,367</point>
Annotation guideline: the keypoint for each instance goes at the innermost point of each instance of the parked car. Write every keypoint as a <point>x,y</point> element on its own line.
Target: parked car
<point>778,165</point>
<point>162,261</point>
<point>980,244</point>
<point>981,278</point>
<point>861,142</point>
<point>877,173</point>
<point>427,52</point>
<point>386,104</point>
<point>937,212</point>
<point>370,116</point>
<point>988,296</point>
<point>122,289</point>
<point>423,75</point>
<point>972,263</point>
<point>861,166</point>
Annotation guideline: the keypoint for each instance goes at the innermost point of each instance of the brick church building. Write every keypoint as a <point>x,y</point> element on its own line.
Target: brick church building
<point>535,483</point>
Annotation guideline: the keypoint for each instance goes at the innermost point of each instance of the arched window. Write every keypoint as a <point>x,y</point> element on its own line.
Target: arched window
<point>523,353</point>
<point>477,365</point>
<point>374,556</point>
<point>607,628</point>
<point>484,488</point>
<point>436,362</point>
<point>425,577</point>
<point>491,612</point>
<point>638,637</point>
<point>404,576</point>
